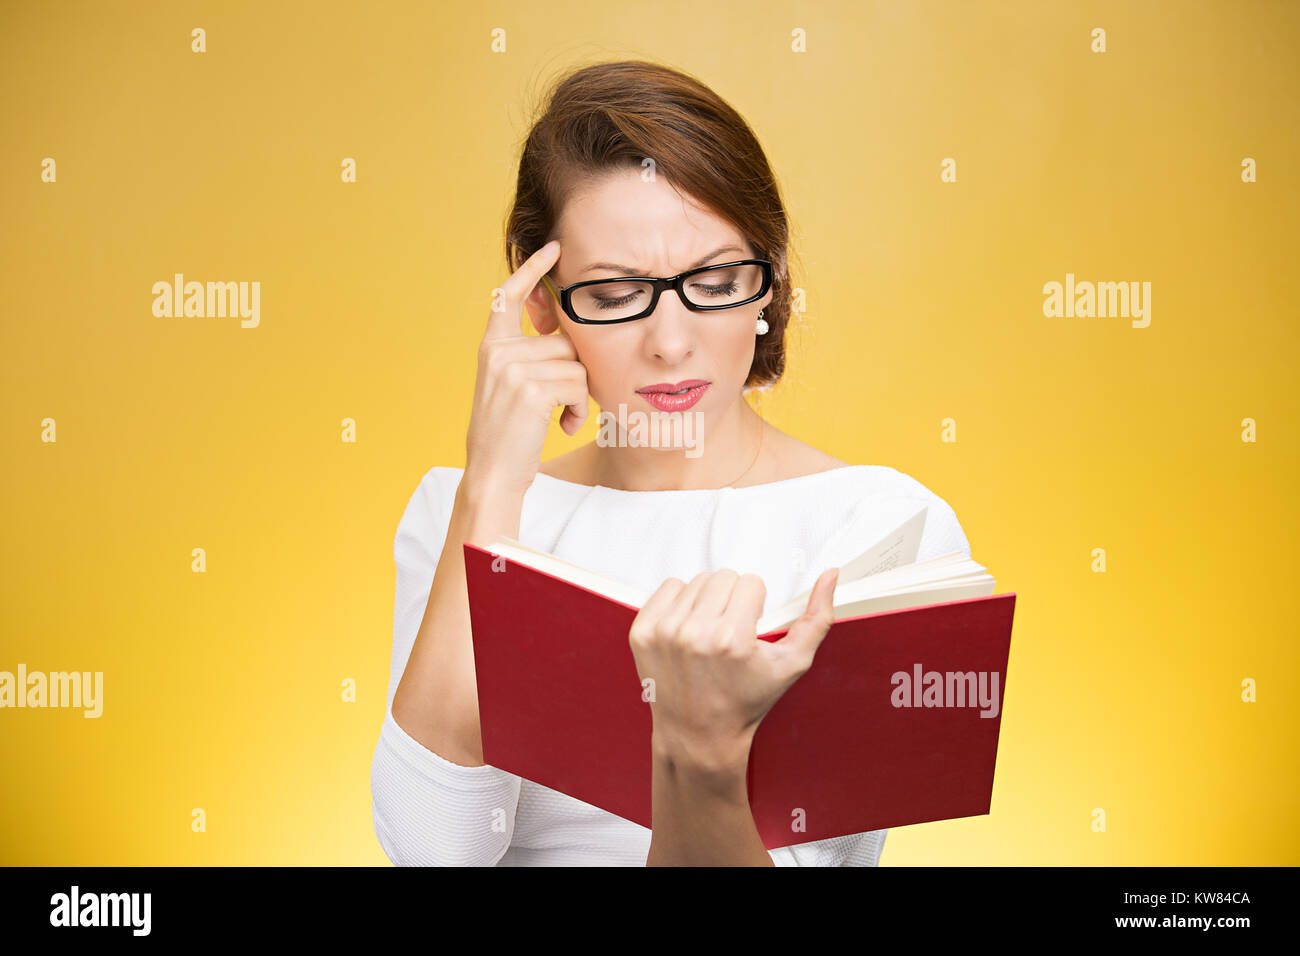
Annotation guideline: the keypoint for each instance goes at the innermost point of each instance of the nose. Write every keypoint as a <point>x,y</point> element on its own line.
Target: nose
<point>670,330</point>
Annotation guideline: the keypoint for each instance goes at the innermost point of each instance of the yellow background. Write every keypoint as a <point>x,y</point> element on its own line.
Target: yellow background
<point>222,690</point>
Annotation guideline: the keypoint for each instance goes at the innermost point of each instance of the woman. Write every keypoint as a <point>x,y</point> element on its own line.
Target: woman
<point>634,171</point>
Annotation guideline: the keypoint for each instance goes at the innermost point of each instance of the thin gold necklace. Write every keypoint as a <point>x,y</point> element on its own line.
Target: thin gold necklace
<point>761,429</point>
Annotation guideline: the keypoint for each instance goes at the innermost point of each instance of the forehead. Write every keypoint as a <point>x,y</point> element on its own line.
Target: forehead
<point>619,217</point>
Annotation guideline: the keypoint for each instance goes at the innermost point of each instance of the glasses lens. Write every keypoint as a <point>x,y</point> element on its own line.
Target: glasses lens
<point>610,301</point>
<point>725,285</point>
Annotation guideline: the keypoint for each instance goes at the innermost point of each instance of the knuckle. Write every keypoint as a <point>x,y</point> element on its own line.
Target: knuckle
<point>821,619</point>
<point>694,635</point>
<point>699,650</point>
<point>727,635</point>
<point>740,642</point>
<point>734,650</point>
<point>687,636</point>
<point>718,646</point>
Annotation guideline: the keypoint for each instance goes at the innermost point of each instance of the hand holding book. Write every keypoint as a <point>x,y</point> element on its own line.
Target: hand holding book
<point>708,678</point>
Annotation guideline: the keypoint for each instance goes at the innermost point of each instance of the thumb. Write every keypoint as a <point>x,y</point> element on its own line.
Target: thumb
<point>810,629</point>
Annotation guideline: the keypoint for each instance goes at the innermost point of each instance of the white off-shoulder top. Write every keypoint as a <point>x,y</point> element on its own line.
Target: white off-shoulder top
<point>431,812</point>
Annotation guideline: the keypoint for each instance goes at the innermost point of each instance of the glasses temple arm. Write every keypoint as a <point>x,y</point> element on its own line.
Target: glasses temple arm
<point>550,285</point>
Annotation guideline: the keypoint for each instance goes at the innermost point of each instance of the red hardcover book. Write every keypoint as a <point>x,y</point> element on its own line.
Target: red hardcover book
<point>895,723</point>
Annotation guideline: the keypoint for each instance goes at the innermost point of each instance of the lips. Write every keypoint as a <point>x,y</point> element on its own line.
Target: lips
<point>674,397</point>
<point>670,387</point>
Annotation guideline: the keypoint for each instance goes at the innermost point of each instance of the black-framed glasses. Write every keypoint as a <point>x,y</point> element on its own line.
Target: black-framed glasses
<point>708,289</point>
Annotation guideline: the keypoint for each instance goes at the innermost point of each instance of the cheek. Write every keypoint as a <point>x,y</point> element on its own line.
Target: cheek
<point>601,355</point>
<point>734,350</point>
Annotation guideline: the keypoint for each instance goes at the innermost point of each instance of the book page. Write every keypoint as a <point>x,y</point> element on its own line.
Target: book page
<point>955,577</point>
<point>898,547</point>
<point>513,550</point>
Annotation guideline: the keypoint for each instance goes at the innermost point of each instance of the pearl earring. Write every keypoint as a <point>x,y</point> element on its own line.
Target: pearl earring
<point>761,326</point>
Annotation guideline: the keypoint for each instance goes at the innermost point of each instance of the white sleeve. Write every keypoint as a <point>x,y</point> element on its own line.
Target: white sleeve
<point>942,533</point>
<point>428,811</point>
<point>856,849</point>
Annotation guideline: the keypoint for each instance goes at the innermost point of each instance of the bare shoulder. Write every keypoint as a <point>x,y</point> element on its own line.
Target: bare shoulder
<point>792,458</point>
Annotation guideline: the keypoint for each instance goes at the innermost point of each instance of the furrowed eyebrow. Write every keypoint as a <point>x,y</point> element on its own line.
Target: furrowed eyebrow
<point>633,271</point>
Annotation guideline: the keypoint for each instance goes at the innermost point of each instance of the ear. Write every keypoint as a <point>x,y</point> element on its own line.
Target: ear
<point>543,310</point>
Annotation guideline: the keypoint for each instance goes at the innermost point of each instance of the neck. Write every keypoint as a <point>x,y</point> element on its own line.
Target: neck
<point>722,453</point>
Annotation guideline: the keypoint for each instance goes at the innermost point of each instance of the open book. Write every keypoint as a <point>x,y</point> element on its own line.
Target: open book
<point>884,577</point>
<point>896,722</point>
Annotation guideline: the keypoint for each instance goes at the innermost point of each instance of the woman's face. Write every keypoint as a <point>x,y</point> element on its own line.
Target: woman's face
<point>621,225</point>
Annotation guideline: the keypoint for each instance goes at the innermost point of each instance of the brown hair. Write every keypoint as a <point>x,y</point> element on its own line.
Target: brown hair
<point>615,115</point>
